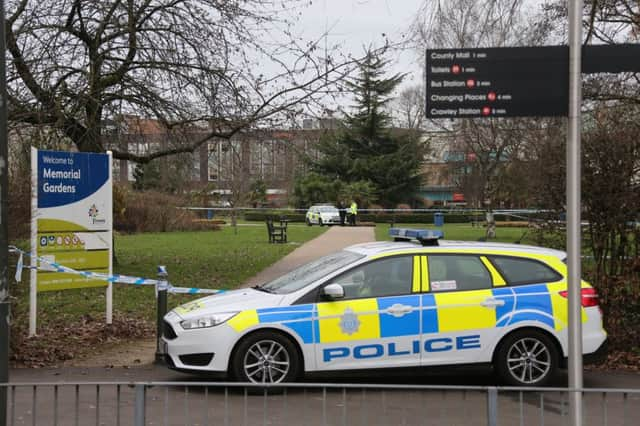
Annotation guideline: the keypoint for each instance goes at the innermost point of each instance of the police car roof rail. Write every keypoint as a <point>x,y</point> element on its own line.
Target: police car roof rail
<point>426,237</point>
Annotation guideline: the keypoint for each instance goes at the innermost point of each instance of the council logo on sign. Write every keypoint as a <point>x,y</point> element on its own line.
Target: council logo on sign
<point>93,215</point>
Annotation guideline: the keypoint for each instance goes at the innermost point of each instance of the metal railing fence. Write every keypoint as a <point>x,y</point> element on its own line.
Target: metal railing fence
<point>198,403</point>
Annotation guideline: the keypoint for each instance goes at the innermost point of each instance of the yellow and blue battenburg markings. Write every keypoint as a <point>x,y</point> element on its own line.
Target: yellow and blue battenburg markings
<point>300,319</point>
<point>420,274</point>
<point>430,314</point>
<point>406,325</point>
<point>459,311</point>
<point>526,303</point>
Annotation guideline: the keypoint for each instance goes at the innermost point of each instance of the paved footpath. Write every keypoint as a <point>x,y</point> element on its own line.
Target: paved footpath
<point>336,238</point>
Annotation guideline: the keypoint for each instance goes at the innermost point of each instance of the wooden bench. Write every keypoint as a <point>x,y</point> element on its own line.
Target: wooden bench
<point>277,233</point>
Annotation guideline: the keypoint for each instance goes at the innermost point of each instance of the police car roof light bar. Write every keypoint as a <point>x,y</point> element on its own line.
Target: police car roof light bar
<point>426,237</point>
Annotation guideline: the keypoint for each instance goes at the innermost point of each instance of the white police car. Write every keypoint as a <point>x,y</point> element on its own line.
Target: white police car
<point>391,304</point>
<point>322,214</point>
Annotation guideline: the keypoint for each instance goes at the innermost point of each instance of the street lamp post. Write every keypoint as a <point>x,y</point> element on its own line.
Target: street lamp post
<point>573,211</point>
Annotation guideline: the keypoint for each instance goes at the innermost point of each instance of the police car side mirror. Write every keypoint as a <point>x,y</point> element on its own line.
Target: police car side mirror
<point>333,291</point>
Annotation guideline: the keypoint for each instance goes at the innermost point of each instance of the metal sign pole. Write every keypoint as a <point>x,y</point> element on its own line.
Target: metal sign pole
<point>4,228</point>
<point>573,211</point>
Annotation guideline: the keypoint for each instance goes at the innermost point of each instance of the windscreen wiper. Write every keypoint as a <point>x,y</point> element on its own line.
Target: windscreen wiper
<point>260,287</point>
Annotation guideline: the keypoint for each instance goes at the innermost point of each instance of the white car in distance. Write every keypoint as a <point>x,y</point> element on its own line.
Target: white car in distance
<point>322,214</point>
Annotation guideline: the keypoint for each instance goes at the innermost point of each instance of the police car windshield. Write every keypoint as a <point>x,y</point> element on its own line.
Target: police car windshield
<point>310,272</point>
<point>327,209</point>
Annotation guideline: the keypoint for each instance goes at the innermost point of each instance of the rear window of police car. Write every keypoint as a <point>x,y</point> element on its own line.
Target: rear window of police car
<point>519,271</point>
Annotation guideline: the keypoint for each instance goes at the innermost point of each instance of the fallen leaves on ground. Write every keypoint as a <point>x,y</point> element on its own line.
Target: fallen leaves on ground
<point>62,342</point>
<point>629,361</point>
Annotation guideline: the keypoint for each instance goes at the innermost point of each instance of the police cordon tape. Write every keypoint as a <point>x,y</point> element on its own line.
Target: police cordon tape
<point>121,279</point>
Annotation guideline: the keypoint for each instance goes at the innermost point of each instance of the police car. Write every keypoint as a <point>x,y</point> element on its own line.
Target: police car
<point>388,305</point>
<point>322,214</point>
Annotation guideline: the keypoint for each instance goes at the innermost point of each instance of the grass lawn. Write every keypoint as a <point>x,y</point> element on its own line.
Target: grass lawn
<point>206,259</point>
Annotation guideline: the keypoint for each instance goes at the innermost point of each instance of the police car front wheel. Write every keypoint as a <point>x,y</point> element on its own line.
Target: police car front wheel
<point>527,358</point>
<point>265,357</point>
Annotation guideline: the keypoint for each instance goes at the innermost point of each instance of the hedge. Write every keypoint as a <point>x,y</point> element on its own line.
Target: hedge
<point>259,216</point>
<point>366,217</point>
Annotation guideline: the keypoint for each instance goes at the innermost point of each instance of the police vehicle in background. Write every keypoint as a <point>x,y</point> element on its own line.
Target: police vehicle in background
<point>322,214</point>
<point>389,305</point>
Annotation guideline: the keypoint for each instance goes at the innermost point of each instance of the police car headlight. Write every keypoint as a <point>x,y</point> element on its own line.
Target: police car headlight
<point>207,320</point>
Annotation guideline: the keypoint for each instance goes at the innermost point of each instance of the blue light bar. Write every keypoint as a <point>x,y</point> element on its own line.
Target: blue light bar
<point>424,236</point>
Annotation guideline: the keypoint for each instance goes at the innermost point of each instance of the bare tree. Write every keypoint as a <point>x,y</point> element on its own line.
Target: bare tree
<point>409,108</point>
<point>229,64</point>
<point>473,23</point>
<point>604,22</point>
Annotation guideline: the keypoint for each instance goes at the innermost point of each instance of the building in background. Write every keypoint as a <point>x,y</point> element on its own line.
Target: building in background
<point>272,156</point>
<point>441,171</point>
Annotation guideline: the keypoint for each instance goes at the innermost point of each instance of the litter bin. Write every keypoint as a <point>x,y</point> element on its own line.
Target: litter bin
<point>209,214</point>
<point>438,219</point>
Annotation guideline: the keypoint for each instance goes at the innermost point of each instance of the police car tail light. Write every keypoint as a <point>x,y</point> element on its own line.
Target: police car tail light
<point>206,321</point>
<point>588,297</point>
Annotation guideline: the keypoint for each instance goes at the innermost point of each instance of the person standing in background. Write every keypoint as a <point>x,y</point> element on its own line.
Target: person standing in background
<point>353,212</point>
<point>343,211</point>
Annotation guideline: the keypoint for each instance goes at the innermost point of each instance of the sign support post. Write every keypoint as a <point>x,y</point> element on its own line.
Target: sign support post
<point>573,211</point>
<point>33,273</point>
<point>109,295</point>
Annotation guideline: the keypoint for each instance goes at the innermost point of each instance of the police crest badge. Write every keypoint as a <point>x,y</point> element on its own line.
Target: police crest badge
<point>349,322</point>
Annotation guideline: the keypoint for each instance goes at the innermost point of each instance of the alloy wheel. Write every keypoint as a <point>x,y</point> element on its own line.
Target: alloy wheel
<point>266,361</point>
<point>529,360</point>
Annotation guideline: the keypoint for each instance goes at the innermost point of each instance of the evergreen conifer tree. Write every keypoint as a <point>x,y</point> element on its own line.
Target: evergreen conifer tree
<point>368,149</point>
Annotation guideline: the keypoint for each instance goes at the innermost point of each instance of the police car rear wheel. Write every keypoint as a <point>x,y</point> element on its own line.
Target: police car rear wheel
<point>527,358</point>
<point>266,358</point>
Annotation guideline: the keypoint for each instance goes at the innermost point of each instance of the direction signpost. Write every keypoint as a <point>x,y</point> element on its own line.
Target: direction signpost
<point>497,82</point>
<point>513,81</point>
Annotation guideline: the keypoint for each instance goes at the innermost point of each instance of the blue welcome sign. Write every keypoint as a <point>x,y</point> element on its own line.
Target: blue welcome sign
<point>71,221</point>
<point>67,177</point>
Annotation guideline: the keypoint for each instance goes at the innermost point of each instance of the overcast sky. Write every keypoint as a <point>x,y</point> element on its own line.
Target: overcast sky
<point>356,24</point>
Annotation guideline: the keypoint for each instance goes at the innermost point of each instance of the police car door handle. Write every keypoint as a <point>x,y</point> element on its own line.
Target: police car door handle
<point>399,310</point>
<point>492,303</point>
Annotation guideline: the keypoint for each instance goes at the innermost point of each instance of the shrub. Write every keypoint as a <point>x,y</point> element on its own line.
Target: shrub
<point>19,213</point>
<point>261,216</point>
<point>377,217</point>
<point>620,302</point>
<point>153,211</point>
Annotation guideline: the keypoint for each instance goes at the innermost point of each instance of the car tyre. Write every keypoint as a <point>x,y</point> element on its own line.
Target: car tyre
<point>527,358</point>
<point>308,222</point>
<point>266,358</point>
